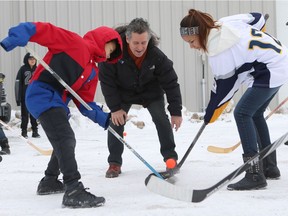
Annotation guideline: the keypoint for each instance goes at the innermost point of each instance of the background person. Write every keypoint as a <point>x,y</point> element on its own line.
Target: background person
<point>5,148</point>
<point>22,80</point>
<point>5,115</point>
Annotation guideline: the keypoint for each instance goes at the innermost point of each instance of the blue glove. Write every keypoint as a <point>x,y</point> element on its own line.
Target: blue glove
<point>96,115</point>
<point>18,36</point>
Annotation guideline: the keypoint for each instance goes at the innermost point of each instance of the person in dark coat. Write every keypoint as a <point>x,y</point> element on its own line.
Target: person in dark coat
<point>5,148</point>
<point>22,80</point>
<point>142,77</point>
<point>74,59</point>
<point>5,117</point>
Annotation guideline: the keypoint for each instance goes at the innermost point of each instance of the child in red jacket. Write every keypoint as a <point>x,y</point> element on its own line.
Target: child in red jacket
<point>74,59</point>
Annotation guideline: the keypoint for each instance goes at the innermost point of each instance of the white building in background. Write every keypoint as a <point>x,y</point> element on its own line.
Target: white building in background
<point>164,17</point>
<point>281,16</point>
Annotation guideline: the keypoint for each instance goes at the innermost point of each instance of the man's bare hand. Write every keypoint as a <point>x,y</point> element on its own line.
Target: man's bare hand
<point>176,122</point>
<point>119,117</point>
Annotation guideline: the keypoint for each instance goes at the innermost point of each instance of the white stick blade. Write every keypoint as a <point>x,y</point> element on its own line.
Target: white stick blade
<point>169,190</point>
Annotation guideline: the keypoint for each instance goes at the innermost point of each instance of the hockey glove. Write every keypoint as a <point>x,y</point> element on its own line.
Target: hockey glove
<point>96,115</point>
<point>212,116</point>
<point>18,36</point>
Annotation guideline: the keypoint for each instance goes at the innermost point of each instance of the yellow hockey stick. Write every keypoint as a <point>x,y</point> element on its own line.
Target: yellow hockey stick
<point>43,152</point>
<point>216,149</point>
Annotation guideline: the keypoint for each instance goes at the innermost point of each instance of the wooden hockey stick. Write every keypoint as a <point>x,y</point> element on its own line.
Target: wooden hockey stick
<point>43,152</point>
<point>226,150</point>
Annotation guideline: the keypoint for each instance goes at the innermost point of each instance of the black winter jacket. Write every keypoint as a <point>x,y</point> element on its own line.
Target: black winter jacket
<point>22,80</point>
<point>125,83</point>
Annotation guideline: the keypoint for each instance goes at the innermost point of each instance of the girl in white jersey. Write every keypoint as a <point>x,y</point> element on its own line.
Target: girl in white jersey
<point>239,52</point>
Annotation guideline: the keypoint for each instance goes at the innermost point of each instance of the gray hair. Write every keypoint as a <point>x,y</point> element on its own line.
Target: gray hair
<point>139,26</point>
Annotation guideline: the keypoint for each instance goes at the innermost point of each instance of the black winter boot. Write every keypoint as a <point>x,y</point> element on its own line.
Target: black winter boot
<point>254,177</point>
<point>35,134</point>
<point>78,197</point>
<point>270,168</point>
<point>24,134</point>
<point>5,146</point>
<point>50,185</point>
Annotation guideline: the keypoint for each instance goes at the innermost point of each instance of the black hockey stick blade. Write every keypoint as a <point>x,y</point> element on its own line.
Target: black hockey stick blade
<point>172,191</point>
<point>166,174</point>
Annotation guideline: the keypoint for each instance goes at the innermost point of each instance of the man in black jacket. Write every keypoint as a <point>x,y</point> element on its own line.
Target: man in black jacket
<point>142,77</point>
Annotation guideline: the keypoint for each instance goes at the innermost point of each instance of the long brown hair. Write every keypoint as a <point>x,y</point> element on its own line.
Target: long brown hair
<point>203,21</point>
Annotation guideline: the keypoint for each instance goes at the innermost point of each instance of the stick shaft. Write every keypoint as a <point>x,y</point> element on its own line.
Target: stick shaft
<point>191,145</point>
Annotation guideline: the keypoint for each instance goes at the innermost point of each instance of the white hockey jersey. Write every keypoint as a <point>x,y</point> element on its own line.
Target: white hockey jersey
<point>239,52</point>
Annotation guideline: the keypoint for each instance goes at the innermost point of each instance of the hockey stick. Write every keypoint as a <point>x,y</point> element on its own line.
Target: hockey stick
<point>167,189</point>
<point>71,91</point>
<point>216,149</point>
<point>191,145</point>
<point>266,17</point>
<point>168,174</point>
<point>43,152</point>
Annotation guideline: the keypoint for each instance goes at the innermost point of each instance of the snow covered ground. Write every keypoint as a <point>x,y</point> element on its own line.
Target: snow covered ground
<point>21,171</point>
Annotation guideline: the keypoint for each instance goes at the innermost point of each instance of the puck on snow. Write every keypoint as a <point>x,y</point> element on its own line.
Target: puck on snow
<point>0,158</point>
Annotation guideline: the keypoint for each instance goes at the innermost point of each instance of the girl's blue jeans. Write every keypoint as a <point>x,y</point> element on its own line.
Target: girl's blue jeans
<point>249,117</point>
